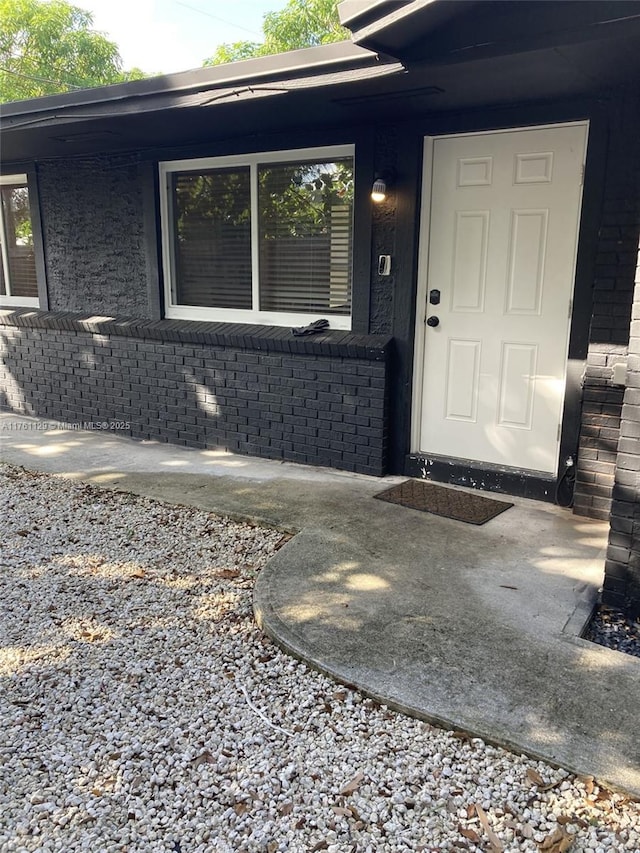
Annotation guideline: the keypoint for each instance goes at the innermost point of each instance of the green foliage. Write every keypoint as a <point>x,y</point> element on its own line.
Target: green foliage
<point>302,23</point>
<point>235,52</point>
<point>17,215</point>
<point>299,197</point>
<point>48,48</point>
<point>135,74</point>
<point>212,196</point>
<point>292,197</point>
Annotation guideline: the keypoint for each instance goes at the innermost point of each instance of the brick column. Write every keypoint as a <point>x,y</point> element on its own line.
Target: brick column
<point>613,289</point>
<point>622,567</point>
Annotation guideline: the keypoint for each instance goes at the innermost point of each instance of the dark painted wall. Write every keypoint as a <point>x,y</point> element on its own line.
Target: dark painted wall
<point>613,286</point>
<point>100,229</point>
<point>94,235</point>
<point>319,402</point>
<point>384,231</point>
<point>622,567</point>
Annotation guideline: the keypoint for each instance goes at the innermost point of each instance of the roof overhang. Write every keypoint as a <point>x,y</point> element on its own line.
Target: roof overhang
<point>250,97</point>
<point>334,58</point>
<point>392,24</point>
<point>436,31</point>
<point>435,56</point>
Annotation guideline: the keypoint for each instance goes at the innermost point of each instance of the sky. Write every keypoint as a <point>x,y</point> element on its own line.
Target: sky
<point>164,36</point>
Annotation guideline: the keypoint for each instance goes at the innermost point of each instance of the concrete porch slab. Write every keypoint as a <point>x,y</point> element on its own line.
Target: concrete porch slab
<point>474,628</point>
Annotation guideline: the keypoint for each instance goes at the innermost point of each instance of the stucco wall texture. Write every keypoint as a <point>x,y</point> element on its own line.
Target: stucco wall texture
<point>93,231</point>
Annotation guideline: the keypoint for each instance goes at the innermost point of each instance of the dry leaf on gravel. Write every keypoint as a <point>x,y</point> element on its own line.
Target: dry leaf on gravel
<point>204,758</point>
<point>494,841</point>
<point>588,782</point>
<point>286,537</point>
<point>470,834</point>
<point>535,778</point>
<point>463,736</point>
<point>227,574</point>
<point>559,841</point>
<point>564,819</point>
<point>353,785</point>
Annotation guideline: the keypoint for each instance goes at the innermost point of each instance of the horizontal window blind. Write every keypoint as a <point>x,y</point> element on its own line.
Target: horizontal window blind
<point>305,213</point>
<point>273,234</point>
<point>18,256</point>
<point>212,237</point>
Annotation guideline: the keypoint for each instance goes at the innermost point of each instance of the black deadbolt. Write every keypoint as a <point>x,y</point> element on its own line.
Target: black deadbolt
<point>433,321</point>
<point>434,297</point>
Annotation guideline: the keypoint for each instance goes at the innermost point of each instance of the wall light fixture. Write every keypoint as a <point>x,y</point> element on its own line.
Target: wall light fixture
<point>383,180</point>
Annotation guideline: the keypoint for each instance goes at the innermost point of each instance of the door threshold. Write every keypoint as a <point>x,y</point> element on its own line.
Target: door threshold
<point>535,485</point>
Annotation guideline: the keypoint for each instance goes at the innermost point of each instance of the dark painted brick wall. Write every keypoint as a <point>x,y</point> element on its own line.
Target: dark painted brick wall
<point>612,300</point>
<point>325,403</point>
<point>622,566</point>
<point>93,230</point>
<point>600,430</point>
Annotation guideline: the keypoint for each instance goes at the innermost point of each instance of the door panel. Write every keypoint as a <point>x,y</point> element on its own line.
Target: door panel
<point>503,231</point>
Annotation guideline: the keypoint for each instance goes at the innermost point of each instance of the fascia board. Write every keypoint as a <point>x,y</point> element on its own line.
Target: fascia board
<point>275,67</point>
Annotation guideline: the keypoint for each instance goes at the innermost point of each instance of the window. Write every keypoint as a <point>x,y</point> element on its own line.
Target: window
<point>18,275</point>
<point>264,238</point>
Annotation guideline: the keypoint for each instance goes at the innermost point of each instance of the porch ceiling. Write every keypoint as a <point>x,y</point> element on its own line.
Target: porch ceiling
<point>440,71</point>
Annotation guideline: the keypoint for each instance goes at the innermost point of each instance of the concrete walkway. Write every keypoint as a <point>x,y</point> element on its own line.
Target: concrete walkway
<point>474,628</point>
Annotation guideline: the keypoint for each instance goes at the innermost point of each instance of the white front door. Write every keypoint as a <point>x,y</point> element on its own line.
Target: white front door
<point>502,238</point>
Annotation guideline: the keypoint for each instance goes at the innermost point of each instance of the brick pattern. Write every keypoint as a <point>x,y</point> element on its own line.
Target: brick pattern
<point>622,566</point>
<point>600,430</point>
<point>612,300</point>
<point>320,409</point>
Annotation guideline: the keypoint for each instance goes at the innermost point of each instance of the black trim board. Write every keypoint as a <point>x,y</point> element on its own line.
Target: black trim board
<point>149,179</point>
<point>38,238</point>
<point>590,215</point>
<point>476,475</point>
<point>404,298</point>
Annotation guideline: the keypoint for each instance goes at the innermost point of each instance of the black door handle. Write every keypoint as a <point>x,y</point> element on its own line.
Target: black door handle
<point>433,321</point>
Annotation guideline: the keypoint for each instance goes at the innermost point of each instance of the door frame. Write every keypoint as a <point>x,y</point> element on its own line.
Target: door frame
<point>424,229</point>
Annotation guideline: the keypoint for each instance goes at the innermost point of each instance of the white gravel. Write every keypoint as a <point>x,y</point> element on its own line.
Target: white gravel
<point>142,710</point>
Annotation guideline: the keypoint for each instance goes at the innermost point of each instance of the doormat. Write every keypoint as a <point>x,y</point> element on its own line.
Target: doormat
<point>439,500</point>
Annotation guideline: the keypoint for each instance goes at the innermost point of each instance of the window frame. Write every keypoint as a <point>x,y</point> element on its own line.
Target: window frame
<point>253,160</point>
<point>25,176</point>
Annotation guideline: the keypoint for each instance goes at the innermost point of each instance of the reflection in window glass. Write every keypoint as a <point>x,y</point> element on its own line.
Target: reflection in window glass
<point>305,216</point>
<point>18,278</point>
<point>212,238</point>
<point>264,238</point>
